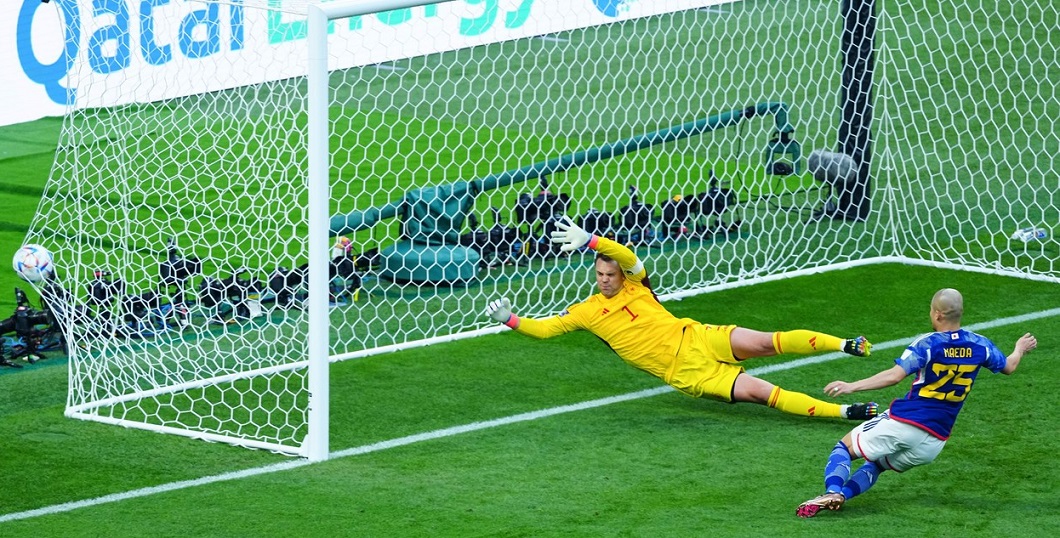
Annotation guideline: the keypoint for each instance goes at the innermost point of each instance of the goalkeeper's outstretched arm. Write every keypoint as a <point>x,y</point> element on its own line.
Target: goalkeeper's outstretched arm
<point>500,311</point>
<point>571,237</point>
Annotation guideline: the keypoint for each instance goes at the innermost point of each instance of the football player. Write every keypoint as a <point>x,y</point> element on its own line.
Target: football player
<point>697,359</point>
<point>915,428</point>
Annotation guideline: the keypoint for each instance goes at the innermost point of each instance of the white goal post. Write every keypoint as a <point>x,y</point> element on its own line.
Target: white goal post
<point>247,192</point>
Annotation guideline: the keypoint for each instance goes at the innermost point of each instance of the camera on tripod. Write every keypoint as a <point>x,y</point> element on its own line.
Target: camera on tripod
<point>32,330</point>
<point>176,270</point>
<point>238,295</point>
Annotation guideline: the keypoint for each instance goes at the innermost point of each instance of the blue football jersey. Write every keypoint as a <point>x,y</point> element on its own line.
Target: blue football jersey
<point>945,364</point>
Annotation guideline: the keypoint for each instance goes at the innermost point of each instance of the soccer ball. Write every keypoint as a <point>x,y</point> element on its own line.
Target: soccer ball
<point>33,263</point>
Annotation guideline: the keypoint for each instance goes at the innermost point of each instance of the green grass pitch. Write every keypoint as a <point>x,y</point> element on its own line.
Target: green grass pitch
<point>653,466</point>
<point>663,465</point>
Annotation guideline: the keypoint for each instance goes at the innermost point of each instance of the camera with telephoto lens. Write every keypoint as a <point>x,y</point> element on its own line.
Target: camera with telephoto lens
<point>104,291</point>
<point>175,270</point>
<point>30,327</point>
<point>25,318</point>
<point>241,290</point>
<point>284,284</point>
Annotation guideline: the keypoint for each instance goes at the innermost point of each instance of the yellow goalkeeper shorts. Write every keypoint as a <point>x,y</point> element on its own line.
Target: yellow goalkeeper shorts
<point>704,366</point>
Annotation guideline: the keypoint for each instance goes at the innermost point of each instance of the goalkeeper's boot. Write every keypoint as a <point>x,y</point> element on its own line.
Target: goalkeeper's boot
<point>863,411</point>
<point>831,501</point>
<point>858,347</point>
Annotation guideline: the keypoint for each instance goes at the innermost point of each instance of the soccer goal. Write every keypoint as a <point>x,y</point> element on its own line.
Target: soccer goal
<point>246,192</point>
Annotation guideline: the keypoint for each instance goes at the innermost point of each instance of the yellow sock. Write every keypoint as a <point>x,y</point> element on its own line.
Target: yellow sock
<point>797,403</point>
<point>805,342</point>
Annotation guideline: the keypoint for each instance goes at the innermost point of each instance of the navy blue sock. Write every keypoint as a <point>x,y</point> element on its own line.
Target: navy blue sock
<point>861,480</point>
<point>837,470</point>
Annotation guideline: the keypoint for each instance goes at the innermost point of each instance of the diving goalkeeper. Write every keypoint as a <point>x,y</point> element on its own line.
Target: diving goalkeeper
<point>697,359</point>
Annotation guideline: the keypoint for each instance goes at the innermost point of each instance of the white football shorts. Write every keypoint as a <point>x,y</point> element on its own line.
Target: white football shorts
<point>894,445</point>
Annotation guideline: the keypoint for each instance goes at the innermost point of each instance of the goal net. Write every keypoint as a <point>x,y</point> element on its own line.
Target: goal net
<point>726,142</point>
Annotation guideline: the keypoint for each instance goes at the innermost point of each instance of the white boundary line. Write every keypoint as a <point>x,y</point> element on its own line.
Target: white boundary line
<point>467,428</point>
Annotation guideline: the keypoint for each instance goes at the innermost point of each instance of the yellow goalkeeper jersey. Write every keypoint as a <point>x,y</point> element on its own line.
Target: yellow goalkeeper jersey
<point>633,322</point>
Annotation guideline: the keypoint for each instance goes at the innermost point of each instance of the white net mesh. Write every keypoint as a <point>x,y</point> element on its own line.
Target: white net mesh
<point>969,149</point>
<point>168,217</point>
<point>711,114</point>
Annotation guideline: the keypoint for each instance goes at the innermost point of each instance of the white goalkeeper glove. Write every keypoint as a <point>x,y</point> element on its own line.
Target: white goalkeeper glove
<point>500,310</point>
<point>570,235</point>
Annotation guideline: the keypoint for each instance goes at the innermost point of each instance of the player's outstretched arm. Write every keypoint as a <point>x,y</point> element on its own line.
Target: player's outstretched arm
<point>571,237</point>
<point>1026,343</point>
<point>886,378</point>
<point>500,311</point>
